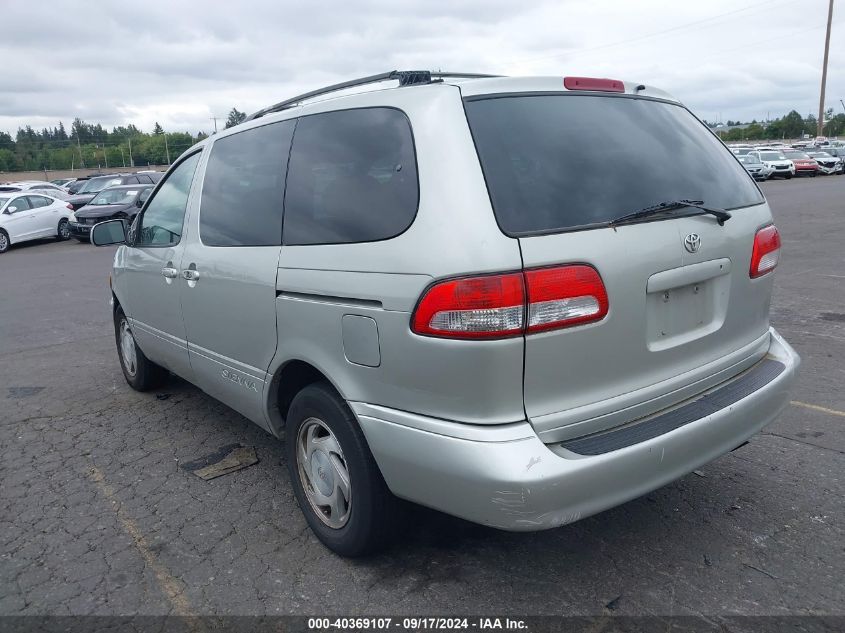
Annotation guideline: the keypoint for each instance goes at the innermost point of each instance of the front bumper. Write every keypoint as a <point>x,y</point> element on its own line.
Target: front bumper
<point>505,477</point>
<point>80,231</point>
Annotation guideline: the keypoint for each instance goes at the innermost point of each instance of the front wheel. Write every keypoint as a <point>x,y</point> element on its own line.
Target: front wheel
<point>140,372</point>
<point>788,176</point>
<point>4,241</point>
<point>63,231</point>
<point>337,483</point>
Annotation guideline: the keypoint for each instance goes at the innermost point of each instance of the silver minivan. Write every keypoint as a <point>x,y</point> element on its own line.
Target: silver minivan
<point>435,287</point>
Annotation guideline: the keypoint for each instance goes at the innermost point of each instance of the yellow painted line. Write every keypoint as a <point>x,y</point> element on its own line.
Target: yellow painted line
<point>816,407</point>
<point>174,589</point>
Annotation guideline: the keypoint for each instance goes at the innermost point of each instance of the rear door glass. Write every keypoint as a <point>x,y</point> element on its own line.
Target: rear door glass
<point>561,162</point>
<point>244,186</point>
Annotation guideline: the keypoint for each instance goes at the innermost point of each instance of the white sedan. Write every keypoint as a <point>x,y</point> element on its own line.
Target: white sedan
<point>26,215</point>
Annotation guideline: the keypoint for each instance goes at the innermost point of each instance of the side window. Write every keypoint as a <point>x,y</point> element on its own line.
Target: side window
<point>244,186</point>
<point>144,179</point>
<point>162,220</point>
<point>352,178</point>
<point>20,203</point>
<point>37,202</point>
<point>131,180</point>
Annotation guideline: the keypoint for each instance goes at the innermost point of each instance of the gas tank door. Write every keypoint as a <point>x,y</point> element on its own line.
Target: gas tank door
<point>360,340</point>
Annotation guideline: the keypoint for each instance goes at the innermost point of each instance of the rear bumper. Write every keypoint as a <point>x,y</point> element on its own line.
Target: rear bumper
<point>505,477</point>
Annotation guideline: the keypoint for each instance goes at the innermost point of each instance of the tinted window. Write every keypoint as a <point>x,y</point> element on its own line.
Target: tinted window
<point>161,222</point>
<point>131,180</point>
<point>352,178</point>
<point>243,188</point>
<point>145,180</point>
<point>557,162</point>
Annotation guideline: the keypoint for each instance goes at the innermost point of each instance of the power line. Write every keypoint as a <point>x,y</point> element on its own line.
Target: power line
<point>673,29</point>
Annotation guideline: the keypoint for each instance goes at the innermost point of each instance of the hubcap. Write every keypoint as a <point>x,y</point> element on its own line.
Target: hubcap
<point>323,473</point>
<point>127,349</point>
<point>4,242</point>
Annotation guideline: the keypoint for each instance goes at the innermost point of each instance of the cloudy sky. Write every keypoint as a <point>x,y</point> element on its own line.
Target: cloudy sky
<point>181,62</point>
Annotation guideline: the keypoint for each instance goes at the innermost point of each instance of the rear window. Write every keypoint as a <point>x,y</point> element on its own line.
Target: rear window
<point>562,162</point>
<point>244,186</point>
<point>352,178</point>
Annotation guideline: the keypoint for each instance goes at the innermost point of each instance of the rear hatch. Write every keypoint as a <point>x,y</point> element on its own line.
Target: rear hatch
<point>684,313</point>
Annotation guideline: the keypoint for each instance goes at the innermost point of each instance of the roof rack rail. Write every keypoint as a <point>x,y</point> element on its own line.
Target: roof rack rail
<point>405,77</point>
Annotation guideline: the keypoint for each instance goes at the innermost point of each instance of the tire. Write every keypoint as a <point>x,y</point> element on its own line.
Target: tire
<point>788,176</point>
<point>63,231</point>
<point>4,241</point>
<point>140,372</point>
<point>324,444</point>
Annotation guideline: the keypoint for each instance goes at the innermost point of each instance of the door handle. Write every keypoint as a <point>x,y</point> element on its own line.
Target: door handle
<point>190,274</point>
<point>170,273</point>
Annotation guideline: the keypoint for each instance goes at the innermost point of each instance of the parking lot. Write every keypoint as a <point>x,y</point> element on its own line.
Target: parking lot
<point>98,517</point>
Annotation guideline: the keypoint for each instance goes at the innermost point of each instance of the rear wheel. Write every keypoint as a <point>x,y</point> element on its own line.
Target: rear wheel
<point>4,241</point>
<point>63,231</point>
<point>335,479</point>
<point>140,372</point>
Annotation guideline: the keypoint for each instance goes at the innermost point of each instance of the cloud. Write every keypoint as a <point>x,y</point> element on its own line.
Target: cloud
<point>181,63</point>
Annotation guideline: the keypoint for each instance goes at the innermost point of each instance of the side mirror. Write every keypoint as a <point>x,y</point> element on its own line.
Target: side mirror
<point>108,233</point>
<point>10,210</point>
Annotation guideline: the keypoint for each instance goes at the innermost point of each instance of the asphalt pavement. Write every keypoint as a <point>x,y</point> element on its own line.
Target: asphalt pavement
<point>98,517</point>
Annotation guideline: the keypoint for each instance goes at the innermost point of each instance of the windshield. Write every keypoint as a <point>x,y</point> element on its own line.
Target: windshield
<point>3,200</point>
<point>772,156</point>
<point>545,172</point>
<point>98,184</point>
<point>748,159</point>
<point>115,196</point>
<point>820,155</point>
<point>796,155</point>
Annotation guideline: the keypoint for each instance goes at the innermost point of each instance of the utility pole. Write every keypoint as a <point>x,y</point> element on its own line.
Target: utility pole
<point>122,157</point>
<point>131,160</point>
<point>79,147</point>
<point>166,150</point>
<point>843,104</point>
<point>105,156</point>
<point>824,68</point>
<point>214,118</point>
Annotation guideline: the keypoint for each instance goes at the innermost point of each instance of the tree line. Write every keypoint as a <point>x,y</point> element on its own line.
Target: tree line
<point>92,145</point>
<point>789,126</point>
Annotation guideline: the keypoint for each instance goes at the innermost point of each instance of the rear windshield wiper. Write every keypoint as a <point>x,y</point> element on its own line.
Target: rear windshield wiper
<point>670,205</point>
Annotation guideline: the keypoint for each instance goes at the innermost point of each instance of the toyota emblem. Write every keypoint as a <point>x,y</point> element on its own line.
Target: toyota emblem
<point>692,242</point>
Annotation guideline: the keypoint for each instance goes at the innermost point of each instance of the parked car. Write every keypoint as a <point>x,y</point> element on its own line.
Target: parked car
<point>804,165</point>
<point>457,307</point>
<point>780,165</point>
<point>36,185</point>
<point>121,202</point>
<point>754,166</point>
<point>95,185</point>
<point>25,215</point>
<point>62,182</point>
<point>827,163</point>
<point>74,187</point>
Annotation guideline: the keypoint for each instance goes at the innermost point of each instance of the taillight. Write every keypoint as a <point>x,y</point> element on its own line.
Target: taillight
<point>69,206</point>
<point>512,304</point>
<point>491,306</point>
<point>564,296</point>
<point>766,252</point>
<point>593,83</point>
